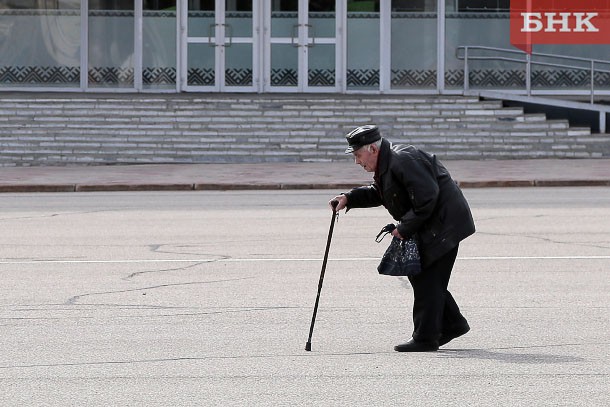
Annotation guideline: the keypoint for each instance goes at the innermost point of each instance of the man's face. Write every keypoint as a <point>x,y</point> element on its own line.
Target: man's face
<point>367,159</point>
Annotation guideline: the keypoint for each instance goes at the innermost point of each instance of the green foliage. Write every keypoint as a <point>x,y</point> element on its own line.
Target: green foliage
<point>361,6</point>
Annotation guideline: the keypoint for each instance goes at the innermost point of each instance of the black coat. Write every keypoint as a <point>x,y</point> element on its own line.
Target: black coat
<point>419,193</point>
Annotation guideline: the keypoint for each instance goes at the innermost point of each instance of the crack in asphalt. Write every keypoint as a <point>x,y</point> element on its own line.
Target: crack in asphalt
<point>52,307</point>
<point>53,215</point>
<point>596,245</point>
<point>226,311</point>
<point>140,273</point>
<point>489,353</point>
<point>157,248</point>
<point>74,299</point>
<point>219,311</point>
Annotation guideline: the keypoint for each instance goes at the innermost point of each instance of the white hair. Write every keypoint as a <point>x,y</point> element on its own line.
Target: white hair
<point>376,144</point>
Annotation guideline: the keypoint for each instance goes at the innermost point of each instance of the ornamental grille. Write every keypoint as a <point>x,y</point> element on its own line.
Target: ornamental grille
<point>404,78</point>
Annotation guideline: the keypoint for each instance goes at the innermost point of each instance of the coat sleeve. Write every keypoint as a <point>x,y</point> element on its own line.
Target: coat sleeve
<point>418,177</point>
<point>363,197</point>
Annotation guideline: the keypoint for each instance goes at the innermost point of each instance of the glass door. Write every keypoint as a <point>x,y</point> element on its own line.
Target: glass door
<point>363,48</point>
<point>413,47</point>
<point>240,62</point>
<point>111,44</point>
<point>219,43</point>
<point>320,50</point>
<point>301,40</point>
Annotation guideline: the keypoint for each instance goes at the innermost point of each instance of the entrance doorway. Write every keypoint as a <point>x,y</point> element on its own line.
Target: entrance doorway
<point>260,46</point>
<point>219,46</point>
<point>302,46</point>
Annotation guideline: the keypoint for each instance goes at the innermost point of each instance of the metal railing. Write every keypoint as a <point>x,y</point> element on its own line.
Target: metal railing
<point>469,53</point>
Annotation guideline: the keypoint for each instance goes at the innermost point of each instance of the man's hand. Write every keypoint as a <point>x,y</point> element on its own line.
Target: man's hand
<point>395,233</point>
<point>342,202</point>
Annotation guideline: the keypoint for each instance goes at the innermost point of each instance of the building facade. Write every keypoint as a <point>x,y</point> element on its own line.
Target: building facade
<point>264,46</point>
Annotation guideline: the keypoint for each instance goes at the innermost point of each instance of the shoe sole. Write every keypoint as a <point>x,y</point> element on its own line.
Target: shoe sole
<point>415,350</point>
<point>442,342</point>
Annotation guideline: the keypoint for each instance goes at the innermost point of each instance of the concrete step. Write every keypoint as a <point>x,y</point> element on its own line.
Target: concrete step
<point>91,129</point>
<point>115,111</point>
<point>264,99</point>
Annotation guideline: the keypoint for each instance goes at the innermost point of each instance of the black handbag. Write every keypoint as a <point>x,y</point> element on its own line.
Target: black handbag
<point>401,258</point>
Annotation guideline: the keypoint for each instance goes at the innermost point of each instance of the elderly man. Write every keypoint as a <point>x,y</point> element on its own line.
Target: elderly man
<point>421,196</point>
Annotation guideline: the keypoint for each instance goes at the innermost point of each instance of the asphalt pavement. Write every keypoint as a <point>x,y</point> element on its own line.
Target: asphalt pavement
<point>205,298</point>
<point>275,176</point>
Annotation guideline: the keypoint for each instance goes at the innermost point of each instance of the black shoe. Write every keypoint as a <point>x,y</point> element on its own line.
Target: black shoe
<point>449,336</point>
<point>415,346</point>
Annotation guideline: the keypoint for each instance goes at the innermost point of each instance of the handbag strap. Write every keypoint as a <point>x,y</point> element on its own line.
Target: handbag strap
<point>387,229</point>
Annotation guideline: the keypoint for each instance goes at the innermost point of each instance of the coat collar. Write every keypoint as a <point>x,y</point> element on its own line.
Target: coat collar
<point>383,161</point>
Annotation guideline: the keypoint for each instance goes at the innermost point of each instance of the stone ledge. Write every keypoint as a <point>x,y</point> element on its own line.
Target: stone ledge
<point>7,188</point>
<point>132,187</point>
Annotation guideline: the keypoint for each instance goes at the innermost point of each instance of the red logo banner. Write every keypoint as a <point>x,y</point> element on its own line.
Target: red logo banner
<point>559,22</point>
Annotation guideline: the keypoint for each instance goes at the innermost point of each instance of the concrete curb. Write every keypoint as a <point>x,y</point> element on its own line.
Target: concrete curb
<point>338,176</point>
<point>132,187</point>
<point>534,183</point>
<point>117,187</point>
<point>38,188</point>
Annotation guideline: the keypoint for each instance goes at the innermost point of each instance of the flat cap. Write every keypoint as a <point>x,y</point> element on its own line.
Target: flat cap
<point>362,136</point>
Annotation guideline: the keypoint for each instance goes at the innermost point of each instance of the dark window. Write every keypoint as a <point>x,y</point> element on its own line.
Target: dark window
<point>111,5</point>
<point>159,5</point>
<point>409,5</point>
<point>363,5</point>
<point>483,5</point>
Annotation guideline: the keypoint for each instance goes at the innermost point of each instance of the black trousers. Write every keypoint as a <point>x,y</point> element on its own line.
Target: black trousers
<point>434,309</point>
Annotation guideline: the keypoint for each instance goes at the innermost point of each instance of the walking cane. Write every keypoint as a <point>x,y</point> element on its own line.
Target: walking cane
<point>315,308</point>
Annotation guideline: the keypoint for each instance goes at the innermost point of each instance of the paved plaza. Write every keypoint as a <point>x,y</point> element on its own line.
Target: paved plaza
<point>291,175</point>
<point>205,298</point>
